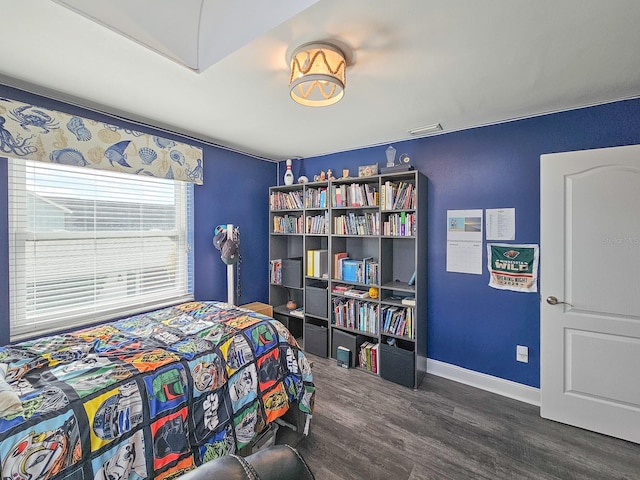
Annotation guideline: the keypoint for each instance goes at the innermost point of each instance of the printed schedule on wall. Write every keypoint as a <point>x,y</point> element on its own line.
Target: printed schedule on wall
<point>464,241</point>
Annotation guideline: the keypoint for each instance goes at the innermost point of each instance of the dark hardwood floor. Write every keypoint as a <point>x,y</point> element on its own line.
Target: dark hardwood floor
<point>367,428</point>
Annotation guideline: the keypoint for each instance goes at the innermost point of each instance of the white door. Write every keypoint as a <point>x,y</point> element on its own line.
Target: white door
<point>590,259</point>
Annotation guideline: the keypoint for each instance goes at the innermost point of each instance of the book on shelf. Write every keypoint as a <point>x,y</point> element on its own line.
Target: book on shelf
<point>286,200</point>
<point>337,266</point>
<point>320,263</point>
<point>350,270</point>
<point>364,355</point>
<point>370,271</point>
<point>297,312</point>
<point>390,190</point>
<point>323,198</point>
<point>343,356</point>
<point>356,314</point>
<point>341,266</point>
<point>317,263</point>
<point>339,289</point>
<point>354,292</point>
<point>275,271</point>
<point>409,301</point>
<point>317,224</point>
<point>397,321</point>
<point>288,224</point>
<point>375,359</point>
<point>310,259</point>
<point>364,271</point>
<point>368,357</point>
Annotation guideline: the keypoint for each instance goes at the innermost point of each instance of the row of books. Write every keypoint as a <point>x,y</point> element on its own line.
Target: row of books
<point>275,271</point>
<point>318,224</point>
<point>317,263</point>
<point>288,224</point>
<point>397,321</point>
<point>349,291</point>
<point>354,195</point>
<point>368,357</point>
<point>365,271</point>
<point>400,225</point>
<point>352,224</point>
<point>356,314</point>
<point>315,198</point>
<point>285,200</point>
<point>397,196</point>
<point>392,196</point>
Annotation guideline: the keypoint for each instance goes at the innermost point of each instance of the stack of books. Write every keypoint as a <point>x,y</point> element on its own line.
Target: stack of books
<point>317,263</point>
<point>368,358</point>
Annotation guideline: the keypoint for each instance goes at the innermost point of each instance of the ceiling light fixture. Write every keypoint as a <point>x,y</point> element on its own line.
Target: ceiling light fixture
<point>317,74</point>
<point>436,127</point>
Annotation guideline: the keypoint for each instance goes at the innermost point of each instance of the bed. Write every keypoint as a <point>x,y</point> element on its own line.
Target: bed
<point>149,396</point>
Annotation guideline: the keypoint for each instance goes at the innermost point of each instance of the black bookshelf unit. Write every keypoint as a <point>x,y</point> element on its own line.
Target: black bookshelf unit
<point>361,246</point>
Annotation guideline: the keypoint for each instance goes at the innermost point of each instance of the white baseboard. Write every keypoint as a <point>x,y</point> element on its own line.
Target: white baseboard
<point>507,388</point>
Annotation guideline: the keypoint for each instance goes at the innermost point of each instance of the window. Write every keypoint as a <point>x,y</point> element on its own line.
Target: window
<point>89,245</point>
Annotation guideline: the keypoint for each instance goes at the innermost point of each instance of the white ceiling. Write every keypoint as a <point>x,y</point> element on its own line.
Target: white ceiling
<point>460,63</point>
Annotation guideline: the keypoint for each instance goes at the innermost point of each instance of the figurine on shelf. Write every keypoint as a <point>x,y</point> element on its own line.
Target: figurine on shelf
<point>390,153</point>
<point>288,175</point>
<point>330,175</point>
<point>345,173</point>
<point>322,176</point>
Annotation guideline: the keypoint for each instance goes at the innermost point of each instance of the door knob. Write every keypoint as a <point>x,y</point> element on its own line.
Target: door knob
<point>551,300</point>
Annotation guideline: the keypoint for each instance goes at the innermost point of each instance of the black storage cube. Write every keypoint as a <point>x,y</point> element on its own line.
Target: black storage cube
<point>294,325</point>
<point>315,301</point>
<point>315,340</point>
<point>292,272</point>
<point>397,365</point>
<point>349,341</point>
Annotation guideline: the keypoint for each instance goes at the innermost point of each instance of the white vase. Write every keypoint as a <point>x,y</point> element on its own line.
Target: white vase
<point>288,175</point>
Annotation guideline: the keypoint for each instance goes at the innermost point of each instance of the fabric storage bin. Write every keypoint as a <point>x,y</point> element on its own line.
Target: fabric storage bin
<point>294,325</point>
<point>397,365</point>
<point>292,272</point>
<point>315,339</point>
<point>349,341</point>
<point>315,301</point>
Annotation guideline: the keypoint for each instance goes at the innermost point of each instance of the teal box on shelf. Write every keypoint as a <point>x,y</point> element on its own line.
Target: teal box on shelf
<point>343,357</point>
<point>350,270</point>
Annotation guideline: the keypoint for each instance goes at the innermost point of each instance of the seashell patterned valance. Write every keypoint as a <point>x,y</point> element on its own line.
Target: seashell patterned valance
<point>37,133</point>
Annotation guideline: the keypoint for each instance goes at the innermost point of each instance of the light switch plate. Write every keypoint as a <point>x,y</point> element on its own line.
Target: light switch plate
<point>522,353</point>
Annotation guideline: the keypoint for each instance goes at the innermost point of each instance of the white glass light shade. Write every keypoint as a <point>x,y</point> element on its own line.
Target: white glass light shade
<point>317,74</point>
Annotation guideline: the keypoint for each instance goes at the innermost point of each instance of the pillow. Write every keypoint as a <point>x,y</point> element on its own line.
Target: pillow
<point>9,402</point>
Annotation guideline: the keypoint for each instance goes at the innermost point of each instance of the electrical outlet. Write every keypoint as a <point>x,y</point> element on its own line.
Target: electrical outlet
<point>522,353</point>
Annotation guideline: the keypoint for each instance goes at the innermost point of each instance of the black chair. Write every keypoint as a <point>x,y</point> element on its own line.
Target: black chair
<point>280,462</point>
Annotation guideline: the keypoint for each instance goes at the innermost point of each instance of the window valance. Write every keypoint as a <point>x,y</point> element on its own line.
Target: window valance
<point>36,133</point>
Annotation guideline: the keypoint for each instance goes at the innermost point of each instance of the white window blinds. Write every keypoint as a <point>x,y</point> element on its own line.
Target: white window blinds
<point>87,245</point>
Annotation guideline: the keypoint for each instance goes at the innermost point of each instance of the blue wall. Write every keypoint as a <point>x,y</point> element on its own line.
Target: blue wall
<point>470,324</point>
<point>235,191</point>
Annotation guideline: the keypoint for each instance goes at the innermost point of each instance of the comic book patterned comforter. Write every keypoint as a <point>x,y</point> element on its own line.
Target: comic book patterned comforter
<point>150,396</point>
